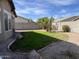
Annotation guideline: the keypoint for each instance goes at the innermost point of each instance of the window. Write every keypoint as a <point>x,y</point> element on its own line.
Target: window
<point>0,25</point>
<point>0,21</point>
<point>7,20</point>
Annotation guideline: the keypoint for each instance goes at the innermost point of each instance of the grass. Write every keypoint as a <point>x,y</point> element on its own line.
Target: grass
<point>36,40</point>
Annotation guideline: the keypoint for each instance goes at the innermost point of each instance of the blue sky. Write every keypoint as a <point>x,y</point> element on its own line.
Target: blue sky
<point>47,8</point>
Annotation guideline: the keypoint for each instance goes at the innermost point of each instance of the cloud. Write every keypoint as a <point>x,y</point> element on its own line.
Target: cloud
<point>28,7</point>
<point>47,8</point>
<point>56,16</point>
<point>62,2</point>
<point>19,2</point>
<point>35,11</point>
<point>27,3</point>
<point>63,11</point>
<point>65,15</point>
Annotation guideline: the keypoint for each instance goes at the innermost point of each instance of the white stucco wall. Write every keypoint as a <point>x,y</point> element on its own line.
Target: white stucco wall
<point>74,26</point>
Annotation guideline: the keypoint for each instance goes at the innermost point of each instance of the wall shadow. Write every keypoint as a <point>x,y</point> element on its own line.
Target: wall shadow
<point>34,40</point>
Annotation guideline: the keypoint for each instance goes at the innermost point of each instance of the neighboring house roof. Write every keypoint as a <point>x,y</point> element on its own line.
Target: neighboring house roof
<point>20,19</point>
<point>12,7</point>
<point>73,18</point>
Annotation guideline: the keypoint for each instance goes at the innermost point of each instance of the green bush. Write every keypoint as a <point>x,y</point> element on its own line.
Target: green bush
<point>66,28</point>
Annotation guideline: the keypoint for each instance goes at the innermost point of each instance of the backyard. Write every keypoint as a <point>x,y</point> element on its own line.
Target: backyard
<point>36,40</point>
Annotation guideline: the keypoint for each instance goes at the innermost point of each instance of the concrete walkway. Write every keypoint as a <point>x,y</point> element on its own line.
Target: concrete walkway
<point>4,44</point>
<point>12,55</point>
<point>63,49</point>
<point>6,54</point>
<point>73,38</point>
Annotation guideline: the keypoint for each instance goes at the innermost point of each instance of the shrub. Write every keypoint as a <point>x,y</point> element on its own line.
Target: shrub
<point>66,28</point>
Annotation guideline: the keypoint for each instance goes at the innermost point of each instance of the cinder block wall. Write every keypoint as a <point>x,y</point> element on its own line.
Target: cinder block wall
<point>26,26</point>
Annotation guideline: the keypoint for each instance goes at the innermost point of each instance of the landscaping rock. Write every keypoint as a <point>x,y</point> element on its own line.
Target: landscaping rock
<point>19,36</point>
<point>34,55</point>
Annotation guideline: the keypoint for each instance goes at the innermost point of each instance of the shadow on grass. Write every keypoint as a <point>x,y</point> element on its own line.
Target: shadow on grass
<point>58,50</point>
<point>32,40</point>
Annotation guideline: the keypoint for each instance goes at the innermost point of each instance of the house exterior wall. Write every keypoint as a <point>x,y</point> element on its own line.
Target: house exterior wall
<point>74,26</point>
<point>4,5</point>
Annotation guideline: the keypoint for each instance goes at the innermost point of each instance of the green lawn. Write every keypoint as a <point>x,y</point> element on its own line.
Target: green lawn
<point>36,40</point>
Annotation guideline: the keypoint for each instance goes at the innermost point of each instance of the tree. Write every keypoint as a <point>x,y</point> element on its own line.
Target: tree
<point>46,23</point>
<point>43,22</point>
<point>30,20</point>
<point>50,24</point>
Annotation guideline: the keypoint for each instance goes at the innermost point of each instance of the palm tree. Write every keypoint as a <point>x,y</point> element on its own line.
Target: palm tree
<point>50,24</point>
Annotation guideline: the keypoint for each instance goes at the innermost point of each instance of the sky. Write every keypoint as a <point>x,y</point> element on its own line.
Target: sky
<point>35,9</point>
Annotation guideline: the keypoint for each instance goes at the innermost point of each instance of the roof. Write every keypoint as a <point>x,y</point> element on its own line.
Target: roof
<point>73,18</point>
<point>12,7</point>
<point>20,19</point>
